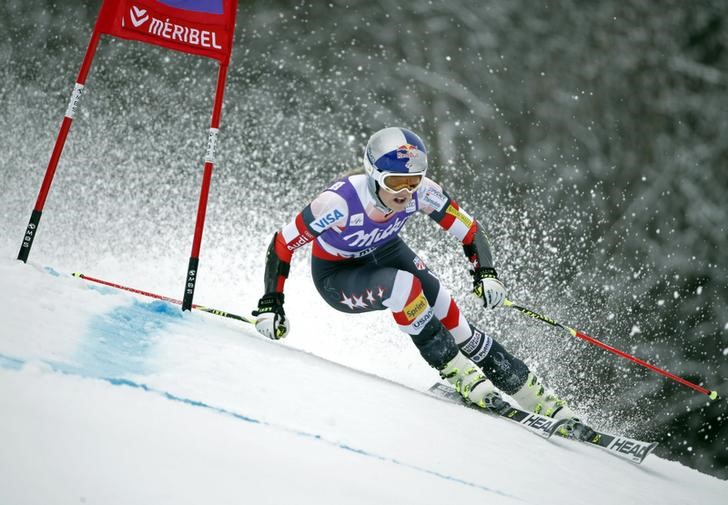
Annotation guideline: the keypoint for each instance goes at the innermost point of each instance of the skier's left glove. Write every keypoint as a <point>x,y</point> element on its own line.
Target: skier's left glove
<point>271,319</point>
<point>487,286</point>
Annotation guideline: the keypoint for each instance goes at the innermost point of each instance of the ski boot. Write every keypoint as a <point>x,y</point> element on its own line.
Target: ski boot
<point>472,385</point>
<point>535,397</point>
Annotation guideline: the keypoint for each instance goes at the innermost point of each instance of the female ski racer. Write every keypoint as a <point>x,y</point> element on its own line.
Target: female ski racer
<point>360,264</point>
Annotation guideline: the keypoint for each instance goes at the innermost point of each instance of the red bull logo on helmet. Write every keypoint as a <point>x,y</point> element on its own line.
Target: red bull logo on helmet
<point>412,154</point>
<point>407,151</point>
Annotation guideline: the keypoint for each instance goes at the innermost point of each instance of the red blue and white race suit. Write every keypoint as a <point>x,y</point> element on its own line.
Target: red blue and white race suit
<point>359,264</point>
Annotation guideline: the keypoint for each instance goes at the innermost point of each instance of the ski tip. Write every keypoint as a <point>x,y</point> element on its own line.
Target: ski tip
<point>713,395</point>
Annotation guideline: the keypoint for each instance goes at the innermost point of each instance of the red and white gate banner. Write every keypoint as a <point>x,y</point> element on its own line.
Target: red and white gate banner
<point>202,27</point>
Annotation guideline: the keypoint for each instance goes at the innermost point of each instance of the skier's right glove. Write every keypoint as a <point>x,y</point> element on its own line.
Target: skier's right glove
<point>271,320</point>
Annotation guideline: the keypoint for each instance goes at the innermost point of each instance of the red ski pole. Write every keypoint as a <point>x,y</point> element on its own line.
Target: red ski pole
<point>576,333</point>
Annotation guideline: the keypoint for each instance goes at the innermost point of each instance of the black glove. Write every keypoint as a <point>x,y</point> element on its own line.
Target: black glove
<point>270,317</point>
<point>487,286</point>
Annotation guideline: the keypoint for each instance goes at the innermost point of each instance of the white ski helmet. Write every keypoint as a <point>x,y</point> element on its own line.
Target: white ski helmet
<point>395,154</point>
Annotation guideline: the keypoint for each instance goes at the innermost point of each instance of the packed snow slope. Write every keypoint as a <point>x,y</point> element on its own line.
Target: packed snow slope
<point>109,398</point>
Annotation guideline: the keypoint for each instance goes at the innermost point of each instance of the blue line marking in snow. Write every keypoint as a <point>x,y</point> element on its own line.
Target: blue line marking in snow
<point>187,401</point>
<point>118,343</point>
<point>17,364</point>
<point>10,362</point>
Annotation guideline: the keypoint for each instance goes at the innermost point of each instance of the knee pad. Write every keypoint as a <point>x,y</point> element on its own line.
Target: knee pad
<point>435,344</point>
<point>506,371</point>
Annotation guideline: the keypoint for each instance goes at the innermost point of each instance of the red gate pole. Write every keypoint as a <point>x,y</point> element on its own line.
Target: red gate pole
<point>206,177</point>
<point>32,229</point>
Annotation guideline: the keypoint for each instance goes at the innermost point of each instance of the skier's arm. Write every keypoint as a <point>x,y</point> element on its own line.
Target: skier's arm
<point>278,257</point>
<point>328,210</point>
<point>447,213</point>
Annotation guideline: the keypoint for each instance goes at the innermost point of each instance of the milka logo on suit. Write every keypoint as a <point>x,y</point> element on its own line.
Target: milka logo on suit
<point>363,239</point>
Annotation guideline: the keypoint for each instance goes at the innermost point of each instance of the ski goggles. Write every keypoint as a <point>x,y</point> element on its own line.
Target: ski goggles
<point>394,183</point>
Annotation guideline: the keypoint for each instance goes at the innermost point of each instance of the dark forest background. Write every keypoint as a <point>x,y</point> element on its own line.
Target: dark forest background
<point>590,138</point>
